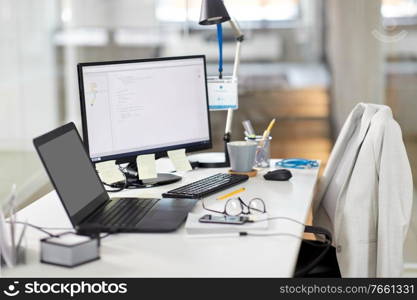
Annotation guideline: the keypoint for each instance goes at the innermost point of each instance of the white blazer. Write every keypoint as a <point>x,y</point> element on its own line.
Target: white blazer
<point>365,194</point>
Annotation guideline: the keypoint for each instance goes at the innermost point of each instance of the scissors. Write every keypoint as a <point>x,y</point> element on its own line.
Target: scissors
<point>297,163</point>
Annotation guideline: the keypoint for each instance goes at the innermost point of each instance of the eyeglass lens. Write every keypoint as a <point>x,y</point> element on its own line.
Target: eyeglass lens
<point>236,206</point>
<point>256,206</point>
<point>233,207</point>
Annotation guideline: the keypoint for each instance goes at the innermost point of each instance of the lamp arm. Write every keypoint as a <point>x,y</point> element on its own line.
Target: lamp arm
<point>236,28</point>
<point>239,39</point>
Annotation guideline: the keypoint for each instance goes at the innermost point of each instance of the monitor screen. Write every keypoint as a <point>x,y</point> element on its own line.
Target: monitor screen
<point>144,106</point>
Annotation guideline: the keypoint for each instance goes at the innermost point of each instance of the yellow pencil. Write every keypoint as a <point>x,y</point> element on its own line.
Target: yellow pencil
<point>268,130</point>
<point>231,194</point>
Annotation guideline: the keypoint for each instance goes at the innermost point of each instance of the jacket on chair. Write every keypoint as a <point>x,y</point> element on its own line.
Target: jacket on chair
<point>366,202</point>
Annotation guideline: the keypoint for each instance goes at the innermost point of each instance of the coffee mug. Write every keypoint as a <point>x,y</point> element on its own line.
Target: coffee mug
<point>242,155</point>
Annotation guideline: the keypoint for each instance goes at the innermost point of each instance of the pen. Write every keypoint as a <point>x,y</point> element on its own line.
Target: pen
<point>248,127</point>
<point>231,194</point>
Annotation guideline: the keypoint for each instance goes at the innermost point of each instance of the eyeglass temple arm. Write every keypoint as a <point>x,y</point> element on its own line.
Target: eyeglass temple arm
<point>212,210</point>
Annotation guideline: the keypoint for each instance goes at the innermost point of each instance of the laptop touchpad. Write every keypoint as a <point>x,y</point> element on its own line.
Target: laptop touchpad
<point>167,215</point>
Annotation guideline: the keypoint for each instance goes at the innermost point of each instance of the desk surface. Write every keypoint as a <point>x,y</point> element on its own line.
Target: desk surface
<point>177,254</point>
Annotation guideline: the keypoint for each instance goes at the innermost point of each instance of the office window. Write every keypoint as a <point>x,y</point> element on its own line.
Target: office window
<point>244,11</point>
<point>399,9</point>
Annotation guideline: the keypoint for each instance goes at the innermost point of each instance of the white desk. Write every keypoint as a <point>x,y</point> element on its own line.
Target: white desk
<point>177,254</point>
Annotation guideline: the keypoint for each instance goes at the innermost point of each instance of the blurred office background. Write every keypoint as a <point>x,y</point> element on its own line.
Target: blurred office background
<point>306,62</point>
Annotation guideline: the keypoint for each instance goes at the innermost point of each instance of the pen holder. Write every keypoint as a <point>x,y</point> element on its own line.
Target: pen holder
<point>262,151</point>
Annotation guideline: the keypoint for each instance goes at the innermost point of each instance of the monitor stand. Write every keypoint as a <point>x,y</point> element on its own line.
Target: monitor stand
<point>133,182</point>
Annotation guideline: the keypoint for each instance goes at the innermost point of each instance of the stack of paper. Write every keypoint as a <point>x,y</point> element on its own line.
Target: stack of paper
<point>194,226</point>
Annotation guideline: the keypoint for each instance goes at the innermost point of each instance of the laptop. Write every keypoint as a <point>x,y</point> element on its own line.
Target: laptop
<point>85,199</point>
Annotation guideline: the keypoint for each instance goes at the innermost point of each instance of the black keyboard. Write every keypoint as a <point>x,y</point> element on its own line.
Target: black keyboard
<point>207,186</point>
<point>123,212</point>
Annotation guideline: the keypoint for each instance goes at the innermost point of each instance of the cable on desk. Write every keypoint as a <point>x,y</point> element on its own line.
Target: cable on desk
<point>246,233</point>
<point>308,229</point>
<point>278,218</point>
<point>45,229</point>
<point>35,227</point>
<point>255,234</point>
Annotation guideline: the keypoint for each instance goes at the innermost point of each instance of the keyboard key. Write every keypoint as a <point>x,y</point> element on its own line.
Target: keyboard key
<point>125,212</point>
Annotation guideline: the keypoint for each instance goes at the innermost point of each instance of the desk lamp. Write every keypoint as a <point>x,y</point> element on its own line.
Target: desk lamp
<point>213,12</point>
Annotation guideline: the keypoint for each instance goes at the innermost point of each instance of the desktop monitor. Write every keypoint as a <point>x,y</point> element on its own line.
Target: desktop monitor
<point>145,106</point>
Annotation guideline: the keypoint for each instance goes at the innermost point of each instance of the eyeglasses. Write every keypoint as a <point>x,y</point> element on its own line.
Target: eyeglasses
<point>236,206</point>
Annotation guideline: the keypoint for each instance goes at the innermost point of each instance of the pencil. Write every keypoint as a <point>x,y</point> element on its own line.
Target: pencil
<point>268,130</point>
<point>231,194</point>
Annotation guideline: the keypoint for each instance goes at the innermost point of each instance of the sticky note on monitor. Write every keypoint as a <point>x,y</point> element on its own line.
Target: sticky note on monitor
<point>109,172</point>
<point>179,160</point>
<point>146,166</point>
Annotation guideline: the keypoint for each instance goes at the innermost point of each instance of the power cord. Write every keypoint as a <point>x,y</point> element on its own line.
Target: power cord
<point>326,242</point>
<point>307,228</point>
<point>310,229</point>
<point>277,218</point>
<point>42,229</point>
<point>45,229</point>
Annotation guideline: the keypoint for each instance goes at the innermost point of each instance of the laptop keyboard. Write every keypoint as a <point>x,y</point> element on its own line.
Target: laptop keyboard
<point>125,212</point>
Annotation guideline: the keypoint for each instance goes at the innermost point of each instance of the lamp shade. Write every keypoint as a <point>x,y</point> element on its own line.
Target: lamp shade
<point>213,12</point>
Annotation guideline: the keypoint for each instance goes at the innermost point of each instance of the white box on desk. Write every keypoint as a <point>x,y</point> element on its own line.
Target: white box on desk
<point>69,250</point>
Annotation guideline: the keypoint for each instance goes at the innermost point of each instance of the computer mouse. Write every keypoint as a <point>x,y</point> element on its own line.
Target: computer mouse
<point>278,175</point>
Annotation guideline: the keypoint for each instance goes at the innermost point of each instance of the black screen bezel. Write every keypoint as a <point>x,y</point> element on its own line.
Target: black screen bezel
<point>130,157</point>
<point>78,217</point>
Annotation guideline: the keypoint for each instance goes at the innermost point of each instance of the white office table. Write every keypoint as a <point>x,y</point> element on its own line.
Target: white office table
<point>177,254</point>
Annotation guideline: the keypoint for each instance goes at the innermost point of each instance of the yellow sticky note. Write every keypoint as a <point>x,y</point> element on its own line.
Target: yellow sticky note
<point>146,166</point>
<point>109,172</point>
<point>179,160</point>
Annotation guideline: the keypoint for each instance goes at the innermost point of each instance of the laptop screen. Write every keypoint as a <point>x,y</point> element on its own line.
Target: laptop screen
<point>72,173</point>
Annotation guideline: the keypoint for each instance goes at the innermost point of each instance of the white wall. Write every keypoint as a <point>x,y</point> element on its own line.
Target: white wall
<point>113,13</point>
<point>28,100</point>
<point>355,55</point>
